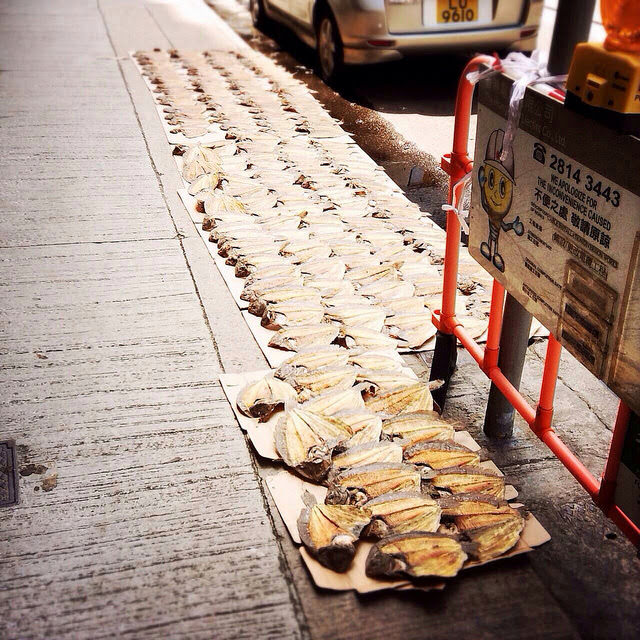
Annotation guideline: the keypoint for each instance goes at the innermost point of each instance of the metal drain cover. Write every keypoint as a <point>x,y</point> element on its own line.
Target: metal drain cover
<point>8,474</point>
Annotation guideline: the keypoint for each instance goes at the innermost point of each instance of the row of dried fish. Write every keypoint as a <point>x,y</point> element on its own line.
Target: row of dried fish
<point>410,529</point>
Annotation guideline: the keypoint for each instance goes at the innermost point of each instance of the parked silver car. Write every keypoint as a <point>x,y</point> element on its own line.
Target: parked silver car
<point>367,31</point>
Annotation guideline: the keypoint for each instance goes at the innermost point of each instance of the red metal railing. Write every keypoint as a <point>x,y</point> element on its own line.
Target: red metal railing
<point>458,165</point>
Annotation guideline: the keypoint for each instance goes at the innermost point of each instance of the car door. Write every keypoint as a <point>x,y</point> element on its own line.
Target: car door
<point>302,11</point>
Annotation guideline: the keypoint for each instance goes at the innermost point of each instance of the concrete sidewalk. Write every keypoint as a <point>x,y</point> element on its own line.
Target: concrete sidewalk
<point>116,325</point>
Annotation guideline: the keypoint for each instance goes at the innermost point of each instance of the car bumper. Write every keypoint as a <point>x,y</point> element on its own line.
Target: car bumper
<point>360,51</point>
<point>366,37</point>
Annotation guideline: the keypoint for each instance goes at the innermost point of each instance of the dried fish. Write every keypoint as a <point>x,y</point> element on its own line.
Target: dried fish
<point>366,426</point>
<point>330,531</point>
<point>357,486</point>
<point>370,274</point>
<point>410,304</point>
<point>334,402</point>
<point>418,426</point>
<point>362,316</point>
<point>312,358</point>
<point>416,397</point>
<point>362,337</point>
<point>305,440</point>
<point>400,512</point>
<point>206,183</point>
<point>467,480</point>
<point>368,453</point>
<point>491,534</point>
<point>289,314</point>
<point>312,383</point>
<point>411,329</point>
<point>262,398</point>
<point>440,455</point>
<point>280,294</point>
<point>375,361</point>
<point>416,554</point>
<point>380,381</point>
<point>294,338</point>
<point>198,160</point>
<point>468,504</point>
<point>387,289</point>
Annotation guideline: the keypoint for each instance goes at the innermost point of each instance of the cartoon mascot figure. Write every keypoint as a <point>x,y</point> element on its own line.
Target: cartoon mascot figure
<point>496,191</point>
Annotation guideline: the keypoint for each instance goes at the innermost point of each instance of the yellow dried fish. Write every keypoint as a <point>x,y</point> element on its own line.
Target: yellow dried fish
<point>289,314</point>
<point>467,480</point>
<point>311,358</point>
<point>366,426</point>
<point>416,554</point>
<point>491,534</point>
<point>367,338</point>
<point>375,361</point>
<point>468,504</point>
<point>206,183</point>
<point>261,398</point>
<point>400,512</point>
<point>440,455</point>
<point>368,453</point>
<point>331,403</point>
<point>281,294</point>
<point>380,381</point>
<point>312,383</point>
<point>329,532</point>
<point>416,397</point>
<point>294,338</point>
<point>305,440</point>
<point>357,486</point>
<point>411,329</point>
<point>418,426</point>
<point>361,316</point>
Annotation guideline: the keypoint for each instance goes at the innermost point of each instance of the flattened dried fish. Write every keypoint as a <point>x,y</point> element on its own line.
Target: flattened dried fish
<point>418,426</point>
<point>294,338</point>
<point>440,455</point>
<point>362,316</point>
<point>387,289</point>
<point>467,480</point>
<point>411,304</point>
<point>357,486</point>
<point>468,504</point>
<point>368,453</point>
<point>367,338</point>
<point>311,358</point>
<point>411,329</point>
<point>367,275</point>
<point>305,440</point>
<point>207,183</point>
<point>289,314</point>
<point>492,534</point>
<point>416,554</point>
<point>384,381</point>
<point>366,426</point>
<point>400,512</point>
<point>280,294</point>
<point>312,383</point>
<point>374,361</point>
<point>261,398</point>
<point>329,532</point>
<point>417,397</point>
<point>331,403</point>
<point>197,160</point>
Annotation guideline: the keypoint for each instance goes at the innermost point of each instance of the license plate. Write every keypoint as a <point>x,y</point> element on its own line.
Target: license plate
<point>450,11</point>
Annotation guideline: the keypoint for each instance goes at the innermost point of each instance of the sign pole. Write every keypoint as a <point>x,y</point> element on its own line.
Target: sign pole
<point>572,25</point>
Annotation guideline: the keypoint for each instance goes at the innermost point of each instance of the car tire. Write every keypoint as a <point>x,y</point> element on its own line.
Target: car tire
<point>329,52</point>
<point>258,14</point>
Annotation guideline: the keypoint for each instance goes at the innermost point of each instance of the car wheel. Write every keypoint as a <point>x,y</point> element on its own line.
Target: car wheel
<point>258,15</point>
<point>328,48</point>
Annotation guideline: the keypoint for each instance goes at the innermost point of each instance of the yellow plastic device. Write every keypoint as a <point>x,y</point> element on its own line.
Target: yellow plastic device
<point>606,86</point>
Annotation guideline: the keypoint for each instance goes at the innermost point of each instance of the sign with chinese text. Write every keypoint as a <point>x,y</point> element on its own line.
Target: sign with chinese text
<point>557,222</point>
